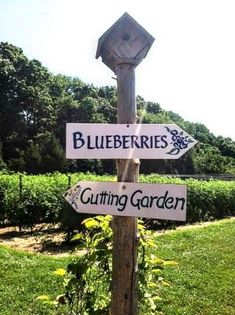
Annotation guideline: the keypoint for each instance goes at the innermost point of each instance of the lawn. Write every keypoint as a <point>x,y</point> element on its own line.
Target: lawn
<point>204,281</point>
<point>202,284</point>
<point>24,277</point>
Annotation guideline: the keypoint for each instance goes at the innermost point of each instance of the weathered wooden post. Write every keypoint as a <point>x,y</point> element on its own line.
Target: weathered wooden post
<point>122,47</point>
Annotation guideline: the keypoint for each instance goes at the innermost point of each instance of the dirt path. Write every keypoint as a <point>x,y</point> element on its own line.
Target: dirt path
<point>48,239</point>
<point>44,238</point>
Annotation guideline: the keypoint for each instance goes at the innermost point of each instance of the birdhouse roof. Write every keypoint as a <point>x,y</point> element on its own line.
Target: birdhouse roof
<point>118,34</point>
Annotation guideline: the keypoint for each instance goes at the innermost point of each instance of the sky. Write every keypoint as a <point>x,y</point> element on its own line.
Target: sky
<point>190,68</point>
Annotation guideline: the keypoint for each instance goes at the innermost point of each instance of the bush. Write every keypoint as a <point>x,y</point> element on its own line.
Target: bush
<point>30,199</point>
<point>39,198</point>
<point>87,280</point>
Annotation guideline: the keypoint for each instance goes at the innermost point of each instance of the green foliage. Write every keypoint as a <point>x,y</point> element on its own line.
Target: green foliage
<point>40,198</point>
<point>207,159</point>
<point>25,104</point>
<point>35,105</point>
<point>87,279</point>
<point>30,199</point>
<point>226,146</point>
<point>209,200</point>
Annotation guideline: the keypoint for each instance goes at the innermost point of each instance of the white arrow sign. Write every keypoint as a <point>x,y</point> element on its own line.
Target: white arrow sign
<point>126,141</point>
<point>159,201</point>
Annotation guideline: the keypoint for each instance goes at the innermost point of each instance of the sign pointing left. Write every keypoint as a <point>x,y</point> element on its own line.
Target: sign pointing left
<point>159,201</point>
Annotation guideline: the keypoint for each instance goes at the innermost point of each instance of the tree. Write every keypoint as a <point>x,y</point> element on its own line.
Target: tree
<point>36,105</point>
<point>225,145</point>
<point>26,107</point>
<point>52,156</point>
<point>3,165</point>
<point>208,160</point>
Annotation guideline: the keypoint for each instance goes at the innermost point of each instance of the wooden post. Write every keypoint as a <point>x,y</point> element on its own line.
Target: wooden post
<point>20,185</point>
<point>124,289</point>
<point>122,47</point>
<point>69,181</point>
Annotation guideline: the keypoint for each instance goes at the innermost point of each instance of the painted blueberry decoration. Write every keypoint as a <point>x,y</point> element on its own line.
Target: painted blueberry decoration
<point>179,141</point>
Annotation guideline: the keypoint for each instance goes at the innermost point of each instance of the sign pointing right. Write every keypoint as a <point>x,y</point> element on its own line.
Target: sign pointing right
<point>126,141</point>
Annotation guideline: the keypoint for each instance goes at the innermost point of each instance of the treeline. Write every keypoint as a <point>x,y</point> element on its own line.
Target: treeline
<point>35,106</point>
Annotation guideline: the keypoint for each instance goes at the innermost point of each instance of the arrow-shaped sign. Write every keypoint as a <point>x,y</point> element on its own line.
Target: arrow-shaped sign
<point>160,201</point>
<point>126,141</point>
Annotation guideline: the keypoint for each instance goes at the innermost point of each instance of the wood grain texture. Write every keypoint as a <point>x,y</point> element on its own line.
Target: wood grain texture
<point>124,277</point>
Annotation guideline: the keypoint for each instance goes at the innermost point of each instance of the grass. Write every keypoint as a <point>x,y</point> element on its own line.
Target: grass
<point>24,277</point>
<point>202,284</point>
<point>204,281</point>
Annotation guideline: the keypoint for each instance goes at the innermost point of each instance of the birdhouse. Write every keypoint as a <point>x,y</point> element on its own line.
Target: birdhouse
<point>126,41</point>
